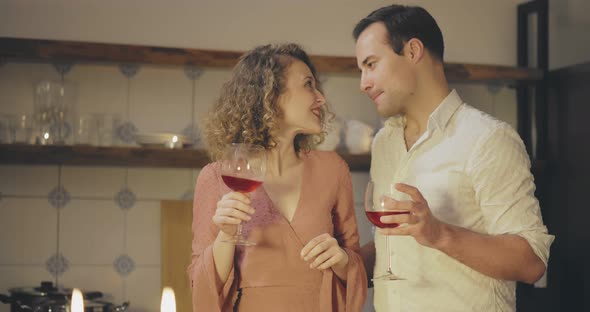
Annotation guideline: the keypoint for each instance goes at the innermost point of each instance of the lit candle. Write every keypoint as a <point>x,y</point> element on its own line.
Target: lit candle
<point>77,301</point>
<point>168,301</point>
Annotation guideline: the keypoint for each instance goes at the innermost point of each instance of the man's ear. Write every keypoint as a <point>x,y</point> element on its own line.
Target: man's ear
<point>414,50</point>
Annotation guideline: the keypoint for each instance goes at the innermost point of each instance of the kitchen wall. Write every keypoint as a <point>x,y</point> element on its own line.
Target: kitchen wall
<point>73,226</point>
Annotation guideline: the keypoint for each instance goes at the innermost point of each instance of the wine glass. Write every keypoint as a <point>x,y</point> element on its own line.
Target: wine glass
<point>243,167</point>
<point>375,209</point>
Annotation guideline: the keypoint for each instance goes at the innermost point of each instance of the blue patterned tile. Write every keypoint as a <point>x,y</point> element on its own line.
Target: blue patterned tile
<point>124,265</point>
<point>126,132</point>
<point>63,67</point>
<point>57,264</point>
<point>58,197</point>
<point>129,70</point>
<point>125,199</point>
<point>192,72</point>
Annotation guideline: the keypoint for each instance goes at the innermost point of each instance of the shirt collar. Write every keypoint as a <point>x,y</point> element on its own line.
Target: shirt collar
<point>439,118</point>
<point>445,110</point>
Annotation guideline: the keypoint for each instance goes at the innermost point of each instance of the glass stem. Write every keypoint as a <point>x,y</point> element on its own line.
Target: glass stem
<point>239,231</point>
<point>388,254</point>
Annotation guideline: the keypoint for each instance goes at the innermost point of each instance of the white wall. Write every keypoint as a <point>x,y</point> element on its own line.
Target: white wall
<point>478,31</point>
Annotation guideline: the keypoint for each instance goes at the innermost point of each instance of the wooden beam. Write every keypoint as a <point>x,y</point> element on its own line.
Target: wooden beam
<point>84,155</point>
<point>102,156</point>
<point>56,51</point>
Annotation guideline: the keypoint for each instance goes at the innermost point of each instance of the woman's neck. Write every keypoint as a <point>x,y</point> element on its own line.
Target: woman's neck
<point>282,157</point>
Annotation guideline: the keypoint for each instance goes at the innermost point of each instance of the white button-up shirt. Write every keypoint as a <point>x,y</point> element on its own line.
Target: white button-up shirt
<point>475,173</point>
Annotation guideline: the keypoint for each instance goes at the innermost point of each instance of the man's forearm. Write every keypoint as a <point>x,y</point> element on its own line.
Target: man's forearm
<point>507,257</point>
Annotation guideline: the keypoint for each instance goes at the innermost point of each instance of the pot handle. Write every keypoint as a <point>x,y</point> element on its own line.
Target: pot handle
<point>9,300</point>
<point>6,299</point>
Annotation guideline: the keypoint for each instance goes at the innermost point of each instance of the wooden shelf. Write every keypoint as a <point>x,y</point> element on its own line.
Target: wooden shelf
<point>56,51</point>
<point>83,155</point>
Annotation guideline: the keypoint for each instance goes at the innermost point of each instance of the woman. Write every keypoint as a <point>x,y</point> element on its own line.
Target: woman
<point>306,258</point>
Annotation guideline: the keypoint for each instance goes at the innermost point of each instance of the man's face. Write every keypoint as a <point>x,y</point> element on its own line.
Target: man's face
<point>387,78</point>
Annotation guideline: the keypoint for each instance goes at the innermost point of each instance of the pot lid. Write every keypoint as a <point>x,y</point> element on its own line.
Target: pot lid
<point>47,289</point>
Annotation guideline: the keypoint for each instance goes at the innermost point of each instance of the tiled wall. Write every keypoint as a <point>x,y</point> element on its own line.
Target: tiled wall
<point>71,225</point>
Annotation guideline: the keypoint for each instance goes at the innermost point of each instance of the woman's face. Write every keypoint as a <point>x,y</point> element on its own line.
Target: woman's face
<point>301,102</point>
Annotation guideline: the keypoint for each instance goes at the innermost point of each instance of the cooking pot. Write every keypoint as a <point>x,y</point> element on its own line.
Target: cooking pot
<point>48,298</point>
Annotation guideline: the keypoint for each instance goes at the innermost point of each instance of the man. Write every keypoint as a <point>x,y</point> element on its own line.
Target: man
<point>474,227</point>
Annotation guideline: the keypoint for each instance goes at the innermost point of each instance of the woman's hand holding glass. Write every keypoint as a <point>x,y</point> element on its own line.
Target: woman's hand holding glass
<point>232,209</point>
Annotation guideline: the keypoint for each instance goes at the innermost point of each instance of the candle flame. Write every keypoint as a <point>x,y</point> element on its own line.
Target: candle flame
<point>77,301</point>
<point>168,301</point>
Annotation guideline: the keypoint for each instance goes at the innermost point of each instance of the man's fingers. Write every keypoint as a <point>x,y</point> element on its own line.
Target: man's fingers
<point>412,191</point>
<point>400,230</point>
<point>405,217</point>
<point>392,204</point>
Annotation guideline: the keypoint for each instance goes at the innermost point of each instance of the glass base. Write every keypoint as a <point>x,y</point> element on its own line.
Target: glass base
<point>387,277</point>
<point>238,240</point>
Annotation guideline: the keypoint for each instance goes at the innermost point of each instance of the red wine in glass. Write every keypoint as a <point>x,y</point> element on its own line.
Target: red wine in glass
<point>375,218</point>
<point>241,184</point>
<point>243,167</point>
<point>374,209</point>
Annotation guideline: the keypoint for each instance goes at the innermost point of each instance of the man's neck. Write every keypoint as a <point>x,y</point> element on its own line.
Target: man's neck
<point>430,92</point>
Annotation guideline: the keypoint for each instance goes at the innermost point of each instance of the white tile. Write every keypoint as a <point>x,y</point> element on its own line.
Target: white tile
<point>100,88</point>
<point>359,184</point>
<point>143,289</point>
<point>28,228</point>
<point>17,82</point>
<point>101,278</point>
<point>28,180</point>
<point>351,104</point>
<point>157,183</point>
<point>207,90</point>
<point>22,276</point>
<point>91,231</point>
<point>143,233</point>
<point>160,99</point>
<point>476,95</point>
<point>101,182</point>
<point>505,106</point>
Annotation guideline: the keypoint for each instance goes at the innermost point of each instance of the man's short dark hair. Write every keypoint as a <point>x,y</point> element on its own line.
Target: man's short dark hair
<point>404,23</point>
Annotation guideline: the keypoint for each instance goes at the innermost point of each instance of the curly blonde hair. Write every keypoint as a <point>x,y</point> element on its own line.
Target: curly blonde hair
<point>247,109</point>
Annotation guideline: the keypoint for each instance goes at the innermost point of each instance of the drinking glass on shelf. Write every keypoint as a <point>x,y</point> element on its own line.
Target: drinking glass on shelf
<point>375,209</point>
<point>243,167</point>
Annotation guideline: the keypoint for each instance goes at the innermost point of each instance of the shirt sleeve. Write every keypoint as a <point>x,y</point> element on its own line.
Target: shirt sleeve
<point>505,190</point>
<point>209,293</point>
<point>354,293</point>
